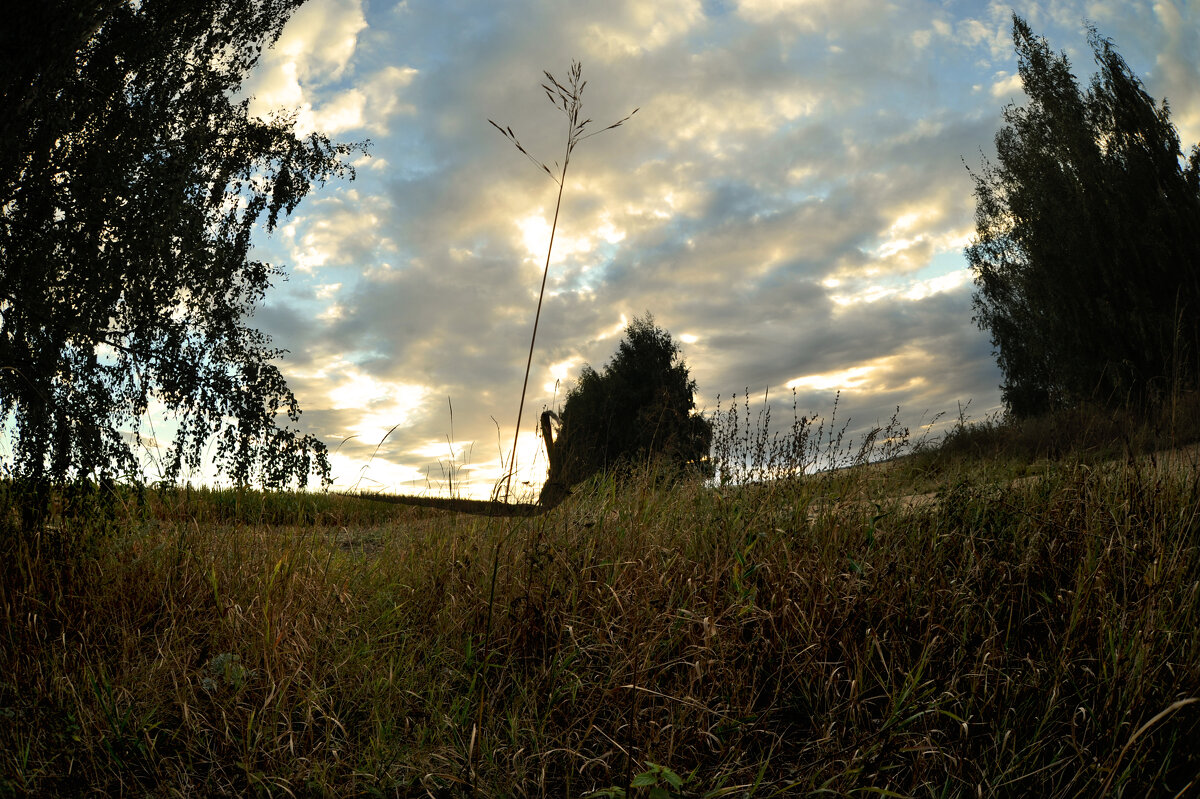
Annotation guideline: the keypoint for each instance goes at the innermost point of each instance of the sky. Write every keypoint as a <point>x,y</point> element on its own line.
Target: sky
<point>790,201</point>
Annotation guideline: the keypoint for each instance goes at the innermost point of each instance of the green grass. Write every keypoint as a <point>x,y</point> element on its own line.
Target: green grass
<point>814,636</point>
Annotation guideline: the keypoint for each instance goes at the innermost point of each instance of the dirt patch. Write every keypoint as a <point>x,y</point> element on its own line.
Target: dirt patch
<point>1168,461</point>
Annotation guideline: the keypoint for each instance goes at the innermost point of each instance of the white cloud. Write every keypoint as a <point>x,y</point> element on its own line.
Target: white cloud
<point>721,122</point>
<point>935,285</point>
<point>344,228</point>
<point>332,312</point>
<point>856,377</point>
<point>803,13</point>
<point>315,49</point>
<point>535,232</point>
<point>344,112</point>
<point>383,92</point>
<point>887,375</point>
<point>1006,87</point>
<point>912,289</point>
<point>321,37</point>
<point>559,373</point>
<point>993,35</point>
<point>1178,63</point>
<point>636,27</point>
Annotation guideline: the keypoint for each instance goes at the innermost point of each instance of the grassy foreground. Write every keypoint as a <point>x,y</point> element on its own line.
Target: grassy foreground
<point>827,636</point>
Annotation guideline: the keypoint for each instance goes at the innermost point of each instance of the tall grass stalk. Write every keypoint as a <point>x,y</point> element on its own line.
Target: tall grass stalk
<point>569,100</point>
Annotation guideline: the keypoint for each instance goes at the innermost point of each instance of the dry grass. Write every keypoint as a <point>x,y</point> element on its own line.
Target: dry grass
<point>1014,638</point>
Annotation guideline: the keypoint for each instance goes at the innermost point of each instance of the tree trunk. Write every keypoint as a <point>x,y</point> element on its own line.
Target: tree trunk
<point>555,489</point>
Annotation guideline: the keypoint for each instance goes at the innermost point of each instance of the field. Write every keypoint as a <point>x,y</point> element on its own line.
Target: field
<point>1027,627</point>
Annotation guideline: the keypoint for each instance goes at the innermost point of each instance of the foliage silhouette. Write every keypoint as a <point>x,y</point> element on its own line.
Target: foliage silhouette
<point>640,408</point>
<point>1087,248</point>
<point>130,181</point>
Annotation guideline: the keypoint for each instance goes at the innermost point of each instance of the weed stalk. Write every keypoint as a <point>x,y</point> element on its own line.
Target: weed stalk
<point>569,99</point>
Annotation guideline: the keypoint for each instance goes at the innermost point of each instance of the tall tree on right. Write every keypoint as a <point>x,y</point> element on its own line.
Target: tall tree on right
<point>1087,247</point>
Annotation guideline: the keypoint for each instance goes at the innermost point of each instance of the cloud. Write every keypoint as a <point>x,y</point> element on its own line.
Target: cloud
<point>314,51</point>
<point>790,202</point>
<point>320,38</point>
<point>343,227</point>
<point>1178,65</point>
<point>1006,87</point>
<point>635,28</point>
<point>808,15</point>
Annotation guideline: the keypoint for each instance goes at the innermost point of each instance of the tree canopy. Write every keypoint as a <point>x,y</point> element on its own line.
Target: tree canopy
<point>1087,248</point>
<point>131,179</point>
<point>640,407</point>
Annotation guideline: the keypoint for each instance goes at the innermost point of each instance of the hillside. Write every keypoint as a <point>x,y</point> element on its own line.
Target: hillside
<point>1008,635</point>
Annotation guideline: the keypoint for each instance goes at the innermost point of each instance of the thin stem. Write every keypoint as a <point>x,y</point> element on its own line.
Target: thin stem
<point>512,460</point>
<point>570,102</point>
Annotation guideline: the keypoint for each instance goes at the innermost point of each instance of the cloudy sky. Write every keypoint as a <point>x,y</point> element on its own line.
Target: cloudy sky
<point>790,202</point>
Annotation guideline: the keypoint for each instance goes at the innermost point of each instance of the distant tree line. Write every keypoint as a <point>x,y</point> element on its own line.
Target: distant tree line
<point>1087,247</point>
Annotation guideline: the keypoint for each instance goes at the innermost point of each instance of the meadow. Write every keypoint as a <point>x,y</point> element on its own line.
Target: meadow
<point>1010,611</point>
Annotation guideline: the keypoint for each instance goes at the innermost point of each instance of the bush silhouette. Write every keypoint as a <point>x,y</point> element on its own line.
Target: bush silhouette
<point>640,408</point>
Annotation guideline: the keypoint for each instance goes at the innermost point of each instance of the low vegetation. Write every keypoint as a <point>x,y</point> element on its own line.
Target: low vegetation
<point>1019,631</point>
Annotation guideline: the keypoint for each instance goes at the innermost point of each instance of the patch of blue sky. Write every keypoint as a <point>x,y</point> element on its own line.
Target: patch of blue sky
<point>807,192</point>
<point>717,9</point>
<point>942,263</point>
<point>590,272</point>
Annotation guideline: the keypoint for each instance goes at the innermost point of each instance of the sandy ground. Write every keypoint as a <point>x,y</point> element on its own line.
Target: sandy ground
<point>1166,461</point>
